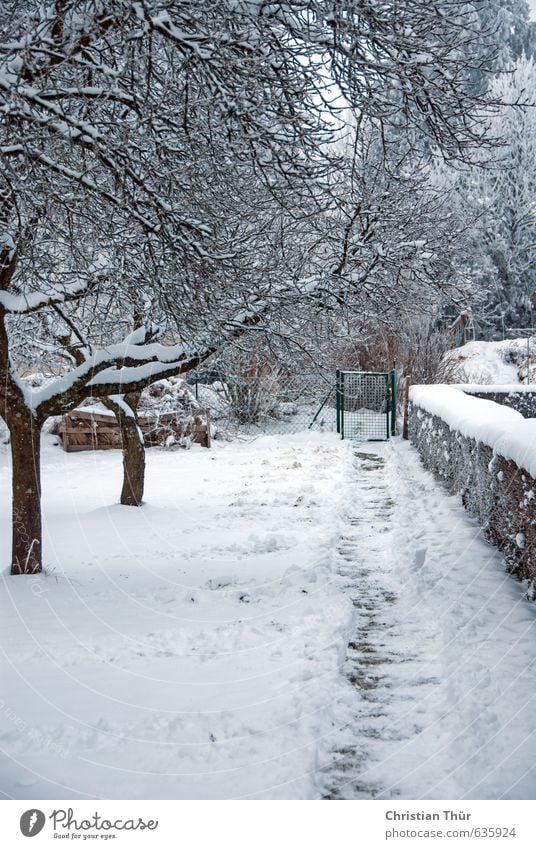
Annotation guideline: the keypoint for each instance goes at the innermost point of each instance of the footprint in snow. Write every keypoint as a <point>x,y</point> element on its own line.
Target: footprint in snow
<point>420,557</point>
<point>221,582</point>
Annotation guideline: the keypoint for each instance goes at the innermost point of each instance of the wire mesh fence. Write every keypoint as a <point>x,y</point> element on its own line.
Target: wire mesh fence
<point>283,416</point>
<point>355,404</point>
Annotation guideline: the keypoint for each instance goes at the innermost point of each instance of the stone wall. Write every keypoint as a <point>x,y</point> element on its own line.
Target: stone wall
<point>495,490</point>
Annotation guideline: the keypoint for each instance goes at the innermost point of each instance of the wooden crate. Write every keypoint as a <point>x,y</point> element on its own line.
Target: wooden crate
<point>90,430</point>
<point>84,430</point>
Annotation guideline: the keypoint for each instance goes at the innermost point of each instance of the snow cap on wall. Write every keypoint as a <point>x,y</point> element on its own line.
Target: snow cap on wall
<point>503,429</point>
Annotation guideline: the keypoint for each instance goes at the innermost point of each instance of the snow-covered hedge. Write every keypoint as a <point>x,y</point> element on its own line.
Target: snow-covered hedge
<point>485,452</point>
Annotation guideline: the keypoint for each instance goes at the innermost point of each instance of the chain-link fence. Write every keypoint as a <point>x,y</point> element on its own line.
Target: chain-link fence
<point>267,407</point>
<point>356,405</point>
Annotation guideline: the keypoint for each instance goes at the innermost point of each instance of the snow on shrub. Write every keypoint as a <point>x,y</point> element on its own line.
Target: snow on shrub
<point>489,362</point>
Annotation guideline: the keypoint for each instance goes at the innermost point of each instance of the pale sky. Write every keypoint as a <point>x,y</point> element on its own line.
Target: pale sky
<point>532,5</point>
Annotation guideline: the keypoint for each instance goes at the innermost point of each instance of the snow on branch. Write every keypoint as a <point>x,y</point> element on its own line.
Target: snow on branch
<point>34,301</point>
<point>130,366</point>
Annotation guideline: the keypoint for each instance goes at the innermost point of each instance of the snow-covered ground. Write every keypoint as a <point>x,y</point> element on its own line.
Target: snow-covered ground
<point>189,648</point>
<point>443,655</point>
<point>196,647</point>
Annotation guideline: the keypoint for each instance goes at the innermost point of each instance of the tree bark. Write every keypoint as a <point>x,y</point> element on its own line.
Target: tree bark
<point>25,432</point>
<point>133,456</point>
<point>133,450</point>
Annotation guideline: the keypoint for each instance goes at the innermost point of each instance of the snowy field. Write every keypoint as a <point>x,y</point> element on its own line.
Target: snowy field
<point>281,619</point>
<point>189,648</point>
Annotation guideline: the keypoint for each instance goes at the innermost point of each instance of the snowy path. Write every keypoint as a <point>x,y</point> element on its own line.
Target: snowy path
<point>283,618</point>
<point>443,655</point>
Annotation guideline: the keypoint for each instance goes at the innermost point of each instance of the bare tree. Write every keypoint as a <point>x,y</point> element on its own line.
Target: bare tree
<point>124,125</point>
<point>500,254</point>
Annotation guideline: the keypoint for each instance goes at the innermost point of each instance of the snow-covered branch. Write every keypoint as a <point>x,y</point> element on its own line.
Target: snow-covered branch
<point>35,301</point>
<point>130,366</point>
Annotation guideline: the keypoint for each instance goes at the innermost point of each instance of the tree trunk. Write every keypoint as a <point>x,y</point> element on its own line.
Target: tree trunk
<point>25,431</point>
<point>133,449</point>
<point>133,457</point>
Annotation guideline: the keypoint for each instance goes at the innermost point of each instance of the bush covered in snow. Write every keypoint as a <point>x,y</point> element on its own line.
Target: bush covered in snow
<point>502,362</point>
<point>171,395</point>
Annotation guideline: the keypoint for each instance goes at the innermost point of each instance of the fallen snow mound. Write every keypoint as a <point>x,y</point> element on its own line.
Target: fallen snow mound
<point>489,363</point>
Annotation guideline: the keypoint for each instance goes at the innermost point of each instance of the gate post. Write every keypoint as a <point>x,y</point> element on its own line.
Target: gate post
<point>387,403</point>
<point>337,399</point>
<point>342,404</point>
<point>393,400</point>
<point>339,396</point>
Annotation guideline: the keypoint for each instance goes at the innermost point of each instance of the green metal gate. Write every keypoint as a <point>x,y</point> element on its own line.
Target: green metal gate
<point>365,404</point>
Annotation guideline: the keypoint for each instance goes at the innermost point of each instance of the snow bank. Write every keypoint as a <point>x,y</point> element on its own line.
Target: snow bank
<point>499,427</point>
<point>517,396</point>
<point>503,362</point>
